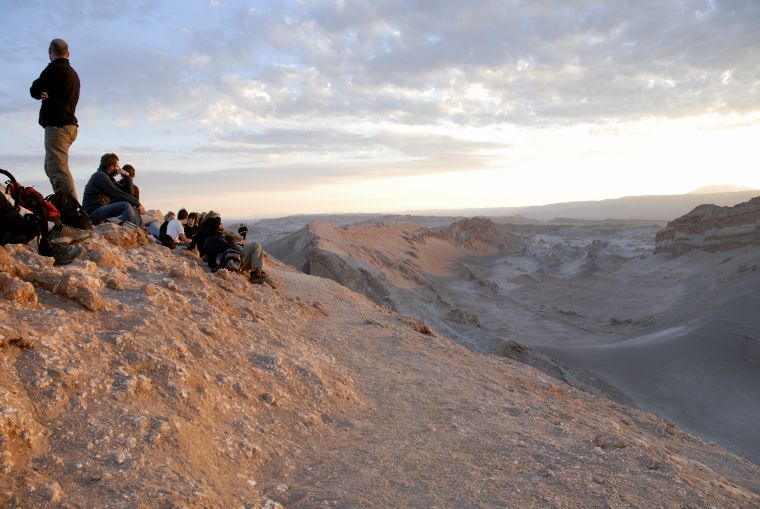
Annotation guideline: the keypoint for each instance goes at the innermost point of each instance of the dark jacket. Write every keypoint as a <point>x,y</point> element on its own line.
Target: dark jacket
<point>61,82</point>
<point>102,189</point>
<point>208,228</point>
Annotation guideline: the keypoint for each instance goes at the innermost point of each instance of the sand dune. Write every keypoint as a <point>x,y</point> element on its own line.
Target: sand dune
<point>703,375</point>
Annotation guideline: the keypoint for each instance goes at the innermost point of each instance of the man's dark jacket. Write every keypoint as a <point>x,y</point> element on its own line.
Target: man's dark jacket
<point>102,189</point>
<point>61,82</point>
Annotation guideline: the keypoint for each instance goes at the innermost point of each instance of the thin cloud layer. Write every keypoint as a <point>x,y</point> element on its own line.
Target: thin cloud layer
<point>347,87</point>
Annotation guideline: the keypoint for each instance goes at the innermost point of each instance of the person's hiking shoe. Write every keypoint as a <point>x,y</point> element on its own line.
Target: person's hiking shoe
<point>64,255</point>
<point>259,277</point>
<point>67,235</point>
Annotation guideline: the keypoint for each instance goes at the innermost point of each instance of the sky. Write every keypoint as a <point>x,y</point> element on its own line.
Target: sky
<point>263,109</point>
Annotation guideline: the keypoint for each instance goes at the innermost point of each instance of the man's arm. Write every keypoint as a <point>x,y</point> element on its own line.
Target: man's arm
<point>106,186</point>
<point>40,86</point>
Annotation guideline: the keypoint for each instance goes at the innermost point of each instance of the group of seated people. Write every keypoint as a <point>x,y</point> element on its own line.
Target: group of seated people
<point>105,198</point>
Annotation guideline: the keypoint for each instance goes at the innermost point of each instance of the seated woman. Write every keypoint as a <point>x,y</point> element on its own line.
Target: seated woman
<point>127,181</point>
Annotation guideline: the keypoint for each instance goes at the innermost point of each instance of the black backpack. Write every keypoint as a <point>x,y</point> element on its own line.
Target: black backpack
<point>16,228</point>
<point>230,259</point>
<point>72,213</point>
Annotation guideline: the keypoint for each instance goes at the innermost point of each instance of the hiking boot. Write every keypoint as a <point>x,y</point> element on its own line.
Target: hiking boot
<point>64,254</point>
<point>259,277</point>
<point>68,234</point>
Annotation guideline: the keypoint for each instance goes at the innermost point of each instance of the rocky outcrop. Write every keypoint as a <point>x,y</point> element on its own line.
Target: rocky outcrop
<point>712,228</point>
<point>483,234</point>
<point>134,377</point>
<point>352,274</point>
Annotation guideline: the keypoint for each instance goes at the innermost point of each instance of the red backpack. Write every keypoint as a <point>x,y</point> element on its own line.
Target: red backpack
<point>32,200</point>
<point>16,228</point>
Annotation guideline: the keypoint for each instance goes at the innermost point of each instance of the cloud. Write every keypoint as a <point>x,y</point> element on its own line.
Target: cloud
<point>338,90</point>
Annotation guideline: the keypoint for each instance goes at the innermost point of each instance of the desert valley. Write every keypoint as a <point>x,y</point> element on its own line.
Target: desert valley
<point>402,361</point>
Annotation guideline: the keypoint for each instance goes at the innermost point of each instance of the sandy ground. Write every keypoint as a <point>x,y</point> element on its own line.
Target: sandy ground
<point>676,336</point>
<point>134,378</point>
<point>442,426</point>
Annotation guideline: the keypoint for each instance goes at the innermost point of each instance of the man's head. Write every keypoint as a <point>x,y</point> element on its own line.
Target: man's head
<point>58,49</point>
<point>109,163</point>
<point>182,214</point>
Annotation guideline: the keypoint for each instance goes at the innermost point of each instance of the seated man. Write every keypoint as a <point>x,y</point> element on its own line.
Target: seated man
<point>175,229</point>
<point>191,227</point>
<point>103,198</point>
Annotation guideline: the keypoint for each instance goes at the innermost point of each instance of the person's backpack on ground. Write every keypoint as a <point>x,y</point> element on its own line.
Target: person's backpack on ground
<point>72,213</point>
<point>17,227</point>
<point>230,259</point>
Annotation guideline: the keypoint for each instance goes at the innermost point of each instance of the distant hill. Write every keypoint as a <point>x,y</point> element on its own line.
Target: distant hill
<point>648,208</point>
<point>720,189</point>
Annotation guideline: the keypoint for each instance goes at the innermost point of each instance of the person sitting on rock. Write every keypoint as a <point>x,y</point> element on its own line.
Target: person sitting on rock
<point>104,199</point>
<point>191,227</point>
<point>210,225</point>
<point>163,238</point>
<point>175,229</point>
<point>127,182</point>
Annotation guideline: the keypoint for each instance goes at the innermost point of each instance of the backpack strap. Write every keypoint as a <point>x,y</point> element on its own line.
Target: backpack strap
<point>13,189</point>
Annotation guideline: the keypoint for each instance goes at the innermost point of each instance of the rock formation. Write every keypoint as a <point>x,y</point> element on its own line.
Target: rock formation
<point>712,228</point>
<point>482,234</point>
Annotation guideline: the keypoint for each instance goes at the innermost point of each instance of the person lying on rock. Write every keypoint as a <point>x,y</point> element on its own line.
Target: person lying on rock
<point>225,251</point>
<point>104,199</point>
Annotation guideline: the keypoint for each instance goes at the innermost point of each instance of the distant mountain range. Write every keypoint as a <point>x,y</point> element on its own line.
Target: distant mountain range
<point>649,208</point>
<point>720,189</point>
<point>660,208</point>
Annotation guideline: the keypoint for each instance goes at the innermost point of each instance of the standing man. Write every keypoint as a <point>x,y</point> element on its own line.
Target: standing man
<point>58,89</point>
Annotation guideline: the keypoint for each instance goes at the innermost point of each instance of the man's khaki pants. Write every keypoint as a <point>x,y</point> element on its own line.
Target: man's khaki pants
<point>57,143</point>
